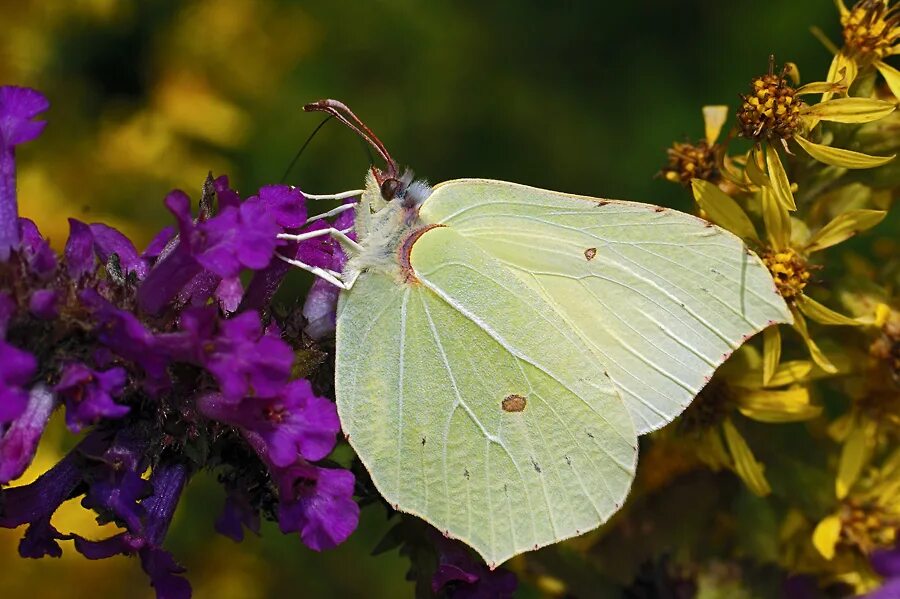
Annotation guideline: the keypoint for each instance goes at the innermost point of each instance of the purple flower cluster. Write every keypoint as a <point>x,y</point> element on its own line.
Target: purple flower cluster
<point>168,365</point>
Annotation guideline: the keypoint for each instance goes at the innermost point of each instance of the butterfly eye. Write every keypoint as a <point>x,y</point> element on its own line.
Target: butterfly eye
<point>390,188</point>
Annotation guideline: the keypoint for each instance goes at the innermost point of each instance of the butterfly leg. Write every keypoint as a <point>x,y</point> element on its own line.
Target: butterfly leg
<point>334,196</point>
<point>339,235</point>
<point>329,275</point>
<point>333,212</point>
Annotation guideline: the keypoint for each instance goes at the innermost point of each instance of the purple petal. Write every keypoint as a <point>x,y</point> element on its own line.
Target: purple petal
<point>16,369</point>
<point>890,589</point>
<point>40,256</point>
<point>168,279</point>
<point>886,561</point>
<point>229,293</point>
<point>320,309</point>
<point>19,443</point>
<point>226,196</point>
<point>41,540</point>
<point>163,571</point>
<point>43,304</point>
<point>237,514</point>
<point>285,203</point>
<point>18,105</point>
<point>159,243</point>
<point>79,250</point>
<point>109,241</point>
<point>89,394</point>
<point>179,204</point>
<point>104,549</point>
<point>317,503</point>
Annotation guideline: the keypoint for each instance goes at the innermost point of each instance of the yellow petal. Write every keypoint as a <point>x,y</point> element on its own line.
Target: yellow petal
<point>844,226</point>
<point>790,405</point>
<point>723,210</point>
<point>891,77</point>
<point>791,70</point>
<point>826,535</point>
<point>840,428</point>
<point>842,9</point>
<point>712,451</point>
<point>825,315</point>
<point>753,170</point>
<point>745,465</point>
<point>850,110</point>
<point>771,352</point>
<point>815,353</point>
<point>775,215</point>
<point>792,371</point>
<point>855,455</point>
<point>882,313</point>
<point>840,157</point>
<point>777,175</point>
<point>713,119</point>
<point>821,87</point>
<point>843,70</point>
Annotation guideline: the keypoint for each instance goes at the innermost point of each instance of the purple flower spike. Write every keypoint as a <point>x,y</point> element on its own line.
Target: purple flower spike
<point>89,394</point>
<point>245,361</point>
<point>19,443</point>
<point>887,563</point>
<point>18,106</point>
<point>237,238</point>
<point>285,203</point>
<point>16,369</point>
<point>317,503</point>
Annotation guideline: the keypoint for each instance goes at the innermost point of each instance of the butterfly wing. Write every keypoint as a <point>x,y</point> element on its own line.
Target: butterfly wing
<point>462,414</point>
<point>662,297</point>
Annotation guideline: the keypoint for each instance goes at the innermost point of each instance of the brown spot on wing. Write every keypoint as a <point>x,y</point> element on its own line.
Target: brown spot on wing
<point>590,253</point>
<point>513,403</point>
<point>404,250</point>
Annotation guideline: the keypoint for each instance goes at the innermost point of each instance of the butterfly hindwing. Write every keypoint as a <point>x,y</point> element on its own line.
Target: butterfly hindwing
<point>662,297</point>
<point>475,407</point>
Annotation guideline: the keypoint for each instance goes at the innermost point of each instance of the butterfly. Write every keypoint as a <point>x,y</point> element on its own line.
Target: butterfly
<point>499,348</point>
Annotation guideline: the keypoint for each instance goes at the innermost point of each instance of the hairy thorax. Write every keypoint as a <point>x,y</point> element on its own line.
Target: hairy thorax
<point>386,228</point>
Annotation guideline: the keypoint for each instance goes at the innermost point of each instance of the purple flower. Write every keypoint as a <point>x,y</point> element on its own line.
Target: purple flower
<point>168,481</point>
<point>19,443</point>
<point>317,503</point>
<point>463,577</point>
<point>18,106</point>
<point>246,361</point>
<point>16,369</point>
<point>89,394</point>
<point>286,204</point>
<point>886,562</point>
<point>295,423</point>
<point>159,243</point>
<point>124,334</point>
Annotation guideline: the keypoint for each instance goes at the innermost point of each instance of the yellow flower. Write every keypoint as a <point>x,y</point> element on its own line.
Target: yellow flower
<point>871,33</point>
<point>738,387</point>
<point>773,114</point>
<point>868,518</point>
<point>787,256</point>
<point>701,160</point>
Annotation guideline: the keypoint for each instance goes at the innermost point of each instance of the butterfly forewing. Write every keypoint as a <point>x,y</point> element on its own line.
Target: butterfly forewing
<point>475,406</point>
<point>661,297</point>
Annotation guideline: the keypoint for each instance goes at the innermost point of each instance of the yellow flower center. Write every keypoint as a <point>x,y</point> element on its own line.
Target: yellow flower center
<point>871,29</point>
<point>790,271</point>
<point>867,525</point>
<point>771,109</point>
<point>689,161</point>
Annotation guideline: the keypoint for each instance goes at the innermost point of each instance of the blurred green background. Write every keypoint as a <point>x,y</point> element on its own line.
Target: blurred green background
<point>146,96</point>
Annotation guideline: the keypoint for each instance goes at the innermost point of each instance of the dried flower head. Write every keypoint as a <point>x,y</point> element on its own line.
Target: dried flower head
<point>772,108</point>
<point>691,161</point>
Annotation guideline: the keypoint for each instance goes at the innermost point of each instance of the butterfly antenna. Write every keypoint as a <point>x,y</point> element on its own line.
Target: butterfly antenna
<point>341,112</point>
<point>303,147</point>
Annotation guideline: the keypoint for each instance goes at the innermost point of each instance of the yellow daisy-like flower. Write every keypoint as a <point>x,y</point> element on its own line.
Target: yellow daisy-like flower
<point>773,114</point>
<point>738,387</point>
<point>866,519</point>
<point>700,160</point>
<point>786,256</point>
<point>871,32</point>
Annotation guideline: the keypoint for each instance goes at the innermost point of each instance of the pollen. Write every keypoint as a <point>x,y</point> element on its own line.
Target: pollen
<point>867,525</point>
<point>691,161</point>
<point>790,271</point>
<point>871,29</point>
<point>771,110</point>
